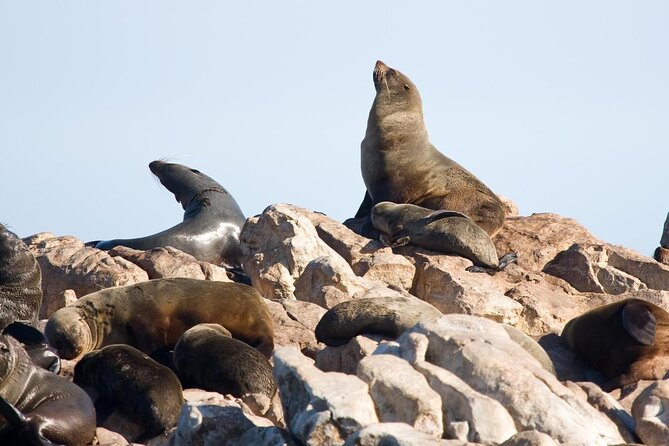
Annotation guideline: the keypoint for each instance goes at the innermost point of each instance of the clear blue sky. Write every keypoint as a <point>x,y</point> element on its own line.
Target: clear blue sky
<point>560,106</point>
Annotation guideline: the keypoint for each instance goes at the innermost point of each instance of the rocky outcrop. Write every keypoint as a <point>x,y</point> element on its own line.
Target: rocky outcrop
<point>651,413</point>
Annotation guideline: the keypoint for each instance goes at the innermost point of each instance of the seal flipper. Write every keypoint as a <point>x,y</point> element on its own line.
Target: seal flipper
<point>25,333</point>
<point>35,344</point>
<point>365,207</point>
<point>507,259</point>
<point>639,322</point>
<point>438,215</point>
<point>22,431</point>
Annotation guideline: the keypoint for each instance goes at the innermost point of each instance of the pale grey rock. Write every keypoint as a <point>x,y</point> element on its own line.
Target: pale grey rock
<point>210,425</point>
<point>397,434</point>
<point>345,358</point>
<point>55,303</point>
<point>289,331</point>
<point>306,313</point>
<point>443,282</point>
<point>651,413</point>
<point>320,408</point>
<point>481,353</point>
<point>530,438</point>
<point>401,394</point>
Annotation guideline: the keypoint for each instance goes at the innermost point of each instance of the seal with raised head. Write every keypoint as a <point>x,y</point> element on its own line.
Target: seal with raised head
<point>212,218</point>
<point>442,231</point>
<point>40,407</point>
<point>152,315</point>
<point>627,341</point>
<point>20,281</point>
<point>208,358</point>
<point>400,164</point>
<point>127,381</point>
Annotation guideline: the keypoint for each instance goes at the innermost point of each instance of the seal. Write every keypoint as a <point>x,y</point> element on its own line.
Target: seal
<point>443,231</point>
<point>35,344</point>
<point>20,281</point>
<point>208,358</point>
<point>212,218</point>
<point>37,406</point>
<point>152,315</point>
<point>389,316</point>
<point>128,381</point>
<point>399,164</point>
<point>627,341</point>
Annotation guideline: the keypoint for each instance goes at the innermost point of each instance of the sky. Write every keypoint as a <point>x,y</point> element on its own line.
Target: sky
<point>561,107</point>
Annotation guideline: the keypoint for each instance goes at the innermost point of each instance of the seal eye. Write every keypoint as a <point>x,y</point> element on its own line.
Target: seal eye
<point>406,87</point>
<point>195,171</point>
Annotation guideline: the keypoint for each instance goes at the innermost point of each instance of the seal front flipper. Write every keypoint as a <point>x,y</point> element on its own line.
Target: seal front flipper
<point>400,238</point>
<point>22,431</point>
<point>438,215</point>
<point>639,322</point>
<point>365,207</point>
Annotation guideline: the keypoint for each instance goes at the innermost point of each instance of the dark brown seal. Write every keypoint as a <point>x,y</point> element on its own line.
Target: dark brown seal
<point>128,381</point>
<point>400,164</point>
<point>20,281</point>
<point>153,315</point>
<point>627,341</point>
<point>206,357</point>
<point>35,344</point>
<point>39,407</point>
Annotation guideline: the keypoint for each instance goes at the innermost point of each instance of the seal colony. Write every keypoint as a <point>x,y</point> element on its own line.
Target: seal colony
<point>399,163</point>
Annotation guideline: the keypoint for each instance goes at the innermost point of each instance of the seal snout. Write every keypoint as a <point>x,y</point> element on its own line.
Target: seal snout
<point>380,70</point>
<point>154,166</point>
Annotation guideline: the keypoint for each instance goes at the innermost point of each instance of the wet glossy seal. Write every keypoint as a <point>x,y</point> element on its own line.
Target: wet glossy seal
<point>153,315</point>
<point>212,218</point>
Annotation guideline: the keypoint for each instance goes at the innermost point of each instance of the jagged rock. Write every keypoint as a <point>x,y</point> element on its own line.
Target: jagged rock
<point>289,331</point>
<point>664,240</point>
<point>401,394</point>
<point>67,264</point>
<point>170,262</point>
<point>538,238</point>
<point>510,208</point>
<point>210,425</point>
<point>662,255</point>
<point>530,438</point>
<point>443,282</point>
<point>55,303</point>
<point>345,358</point>
<point>320,408</point>
<point>651,413</point>
<point>306,313</point>
<point>481,353</point>
<point>397,434</point>
<point>265,436</point>
<point>327,281</point>
<point>654,275</point>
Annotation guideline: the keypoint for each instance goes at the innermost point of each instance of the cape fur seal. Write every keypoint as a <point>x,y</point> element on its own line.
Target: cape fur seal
<point>627,341</point>
<point>20,281</point>
<point>152,315</point>
<point>206,357</point>
<point>212,218</point>
<point>40,407</point>
<point>35,344</point>
<point>399,164</point>
<point>128,381</point>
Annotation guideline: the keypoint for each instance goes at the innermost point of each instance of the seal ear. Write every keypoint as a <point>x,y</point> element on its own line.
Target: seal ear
<point>438,215</point>
<point>639,322</point>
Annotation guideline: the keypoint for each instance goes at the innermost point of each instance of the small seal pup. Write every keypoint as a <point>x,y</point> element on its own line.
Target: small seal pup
<point>128,381</point>
<point>399,164</point>
<point>443,231</point>
<point>40,407</point>
<point>388,316</point>
<point>153,315</point>
<point>208,358</point>
<point>20,281</point>
<point>212,218</point>
<point>627,341</point>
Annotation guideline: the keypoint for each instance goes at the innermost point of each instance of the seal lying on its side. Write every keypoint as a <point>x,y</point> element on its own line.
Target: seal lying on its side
<point>443,231</point>
<point>130,382</point>
<point>20,281</point>
<point>399,163</point>
<point>627,341</point>
<point>206,357</point>
<point>388,316</point>
<point>152,315</point>
<point>212,218</point>
<point>40,407</point>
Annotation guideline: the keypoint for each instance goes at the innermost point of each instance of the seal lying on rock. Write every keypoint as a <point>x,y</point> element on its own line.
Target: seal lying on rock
<point>128,381</point>
<point>388,316</point>
<point>206,357</point>
<point>153,315</point>
<point>20,281</point>
<point>35,344</point>
<point>40,407</point>
<point>399,164</point>
<point>212,218</point>
<point>627,341</point>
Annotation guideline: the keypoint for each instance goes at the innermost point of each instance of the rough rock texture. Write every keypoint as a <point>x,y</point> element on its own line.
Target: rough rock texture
<point>289,331</point>
<point>396,434</point>
<point>56,302</point>
<point>401,394</point>
<point>651,413</point>
<point>530,438</point>
<point>345,358</point>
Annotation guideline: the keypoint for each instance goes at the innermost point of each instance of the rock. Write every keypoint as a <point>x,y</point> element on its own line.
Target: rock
<point>662,255</point>
<point>396,434</point>
<point>654,275</point>
<point>530,438</point>
<point>265,436</point>
<point>67,264</point>
<point>289,331</point>
<point>345,358</point>
<point>538,238</point>
<point>107,437</point>
<point>306,313</point>
<point>651,413</point>
<point>320,408</point>
<point>664,240</point>
<point>481,353</point>
<point>443,282</point>
<point>55,303</point>
<point>210,425</point>
<point>276,248</point>
<point>327,281</point>
<point>170,262</point>
<point>510,208</point>
<point>401,394</point>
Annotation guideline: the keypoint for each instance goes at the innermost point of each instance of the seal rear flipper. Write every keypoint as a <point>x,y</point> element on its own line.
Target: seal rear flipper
<point>21,430</point>
<point>639,322</point>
